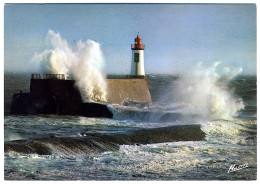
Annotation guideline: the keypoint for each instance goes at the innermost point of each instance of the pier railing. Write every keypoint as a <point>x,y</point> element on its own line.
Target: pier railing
<point>109,76</point>
<point>35,76</point>
<point>116,76</point>
<point>54,76</point>
<point>48,76</point>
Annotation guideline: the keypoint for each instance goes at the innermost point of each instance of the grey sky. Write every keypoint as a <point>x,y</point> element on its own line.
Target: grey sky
<point>177,36</point>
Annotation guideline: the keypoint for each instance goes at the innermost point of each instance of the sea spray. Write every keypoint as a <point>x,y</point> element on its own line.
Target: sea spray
<point>84,61</point>
<point>201,92</point>
<point>204,94</point>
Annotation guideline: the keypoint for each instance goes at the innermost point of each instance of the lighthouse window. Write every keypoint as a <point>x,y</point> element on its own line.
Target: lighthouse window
<point>136,59</point>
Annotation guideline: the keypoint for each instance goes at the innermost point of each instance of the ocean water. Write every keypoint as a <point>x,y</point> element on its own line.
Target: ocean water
<point>81,148</point>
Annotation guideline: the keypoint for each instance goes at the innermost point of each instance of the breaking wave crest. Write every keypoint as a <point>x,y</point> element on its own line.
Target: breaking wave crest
<point>84,62</point>
<point>202,92</point>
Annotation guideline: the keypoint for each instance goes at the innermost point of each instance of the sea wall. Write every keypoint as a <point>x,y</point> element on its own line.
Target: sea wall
<point>56,96</point>
<point>121,90</point>
<point>97,143</point>
<point>118,90</point>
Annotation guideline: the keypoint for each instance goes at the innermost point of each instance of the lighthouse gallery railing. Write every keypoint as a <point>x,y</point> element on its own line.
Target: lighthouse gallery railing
<point>136,46</point>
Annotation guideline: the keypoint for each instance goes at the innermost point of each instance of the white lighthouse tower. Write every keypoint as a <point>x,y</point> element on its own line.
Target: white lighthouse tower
<point>137,65</point>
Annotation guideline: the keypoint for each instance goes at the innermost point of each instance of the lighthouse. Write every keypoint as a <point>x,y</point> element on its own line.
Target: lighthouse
<point>137,65</point>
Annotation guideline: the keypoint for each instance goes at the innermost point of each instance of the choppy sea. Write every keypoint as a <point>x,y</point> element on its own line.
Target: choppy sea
<point>228,141</point>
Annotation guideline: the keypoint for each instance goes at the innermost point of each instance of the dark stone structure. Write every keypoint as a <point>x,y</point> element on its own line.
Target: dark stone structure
<point>55,95</point>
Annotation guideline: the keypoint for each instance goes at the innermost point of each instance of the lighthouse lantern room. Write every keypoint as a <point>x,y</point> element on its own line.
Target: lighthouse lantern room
<point>137,65</point>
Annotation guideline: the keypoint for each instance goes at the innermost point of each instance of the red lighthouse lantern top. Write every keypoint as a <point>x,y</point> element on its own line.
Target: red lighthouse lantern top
<point>138,39</point>
<point>138,45</point>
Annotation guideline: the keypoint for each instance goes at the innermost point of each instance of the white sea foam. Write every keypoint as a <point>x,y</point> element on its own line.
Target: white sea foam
<point>84,61</point>
<point>221,128</point>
